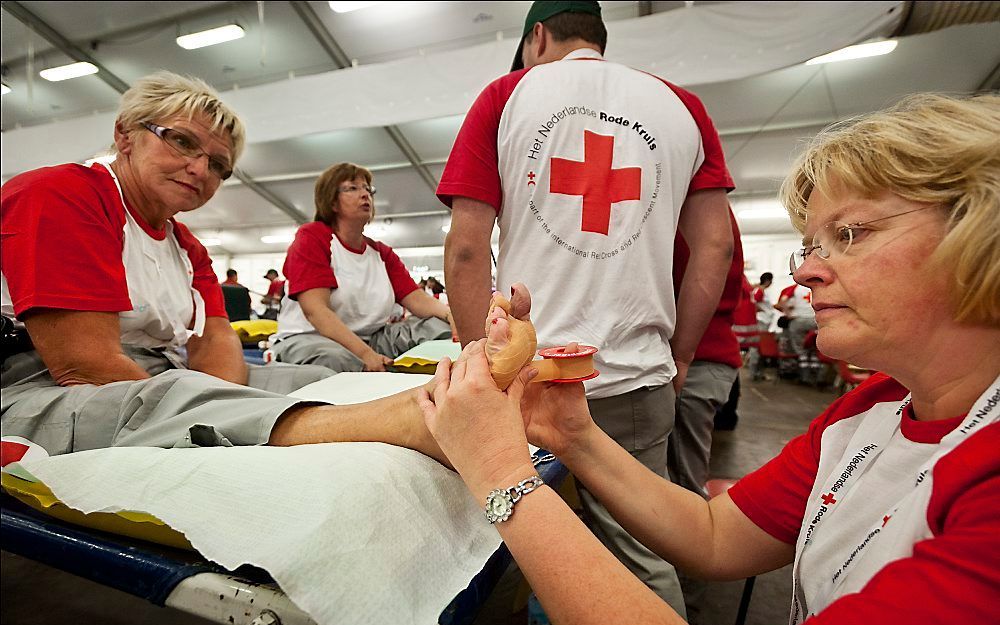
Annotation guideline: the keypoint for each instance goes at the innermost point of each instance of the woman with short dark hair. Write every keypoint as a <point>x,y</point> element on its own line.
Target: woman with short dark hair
<point>343,285</point>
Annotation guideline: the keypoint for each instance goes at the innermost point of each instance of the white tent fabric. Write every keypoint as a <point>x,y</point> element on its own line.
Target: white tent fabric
<point>690,46</point>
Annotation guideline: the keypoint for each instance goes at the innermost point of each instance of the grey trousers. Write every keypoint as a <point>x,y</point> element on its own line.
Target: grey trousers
<point>690,444</point>
<point>798,328</point>
<point>689,448</point>
<point>391,340</point>
<point>639,421</point>
<point>174,408</point>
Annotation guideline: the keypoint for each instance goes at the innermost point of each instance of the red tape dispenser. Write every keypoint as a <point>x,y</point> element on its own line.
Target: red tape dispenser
<point>559,366</point>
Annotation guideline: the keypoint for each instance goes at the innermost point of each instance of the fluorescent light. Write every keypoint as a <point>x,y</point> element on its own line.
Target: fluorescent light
<point>5,89</point>
<point>278,238</point>
<point>347,7</point>
<point>210,242</point>
<point>65,72</point>
<point>415,252</point>
<point>860,51</point>
<point>446,228</point>
<point>210,37</point>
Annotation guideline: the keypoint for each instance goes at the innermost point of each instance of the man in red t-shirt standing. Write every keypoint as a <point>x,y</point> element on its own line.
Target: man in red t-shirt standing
<point>590,168</point>
<point>272,299</point>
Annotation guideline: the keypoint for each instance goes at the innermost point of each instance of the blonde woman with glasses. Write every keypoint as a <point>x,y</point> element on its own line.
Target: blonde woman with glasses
<point>888,507</point>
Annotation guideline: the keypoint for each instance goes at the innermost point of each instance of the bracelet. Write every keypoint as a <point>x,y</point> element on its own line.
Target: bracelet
<point>500,502</point>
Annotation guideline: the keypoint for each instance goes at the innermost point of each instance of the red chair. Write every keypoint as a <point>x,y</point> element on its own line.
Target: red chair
<point>849,376</point>
<point>771,354</point>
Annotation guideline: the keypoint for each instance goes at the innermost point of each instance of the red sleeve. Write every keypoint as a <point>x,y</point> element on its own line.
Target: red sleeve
<point>205,281</point>
<point>713,173</point>
<point>774,496</point>
<point>307,264</point>
<point>401,280</point>
<point>952,577</point>
<point>788,291</point>
<point>62,239</point>
<point>472,170</point>
<point>758,295</point>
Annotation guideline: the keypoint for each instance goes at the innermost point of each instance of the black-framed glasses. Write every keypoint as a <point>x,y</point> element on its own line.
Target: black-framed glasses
<point>835,238</point>
<point>186,145</point>
<point>353,188</point>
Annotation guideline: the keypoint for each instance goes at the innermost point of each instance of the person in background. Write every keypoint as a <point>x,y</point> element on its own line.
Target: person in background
<point>437,290</point>
<point>236,296</point>
<point>795,303</point>
<point>765,310</point>
<point>275,292</point>
<point>232,278</point>
<point>342,286</point>
<point>572,214</point>
<point>888,507</point>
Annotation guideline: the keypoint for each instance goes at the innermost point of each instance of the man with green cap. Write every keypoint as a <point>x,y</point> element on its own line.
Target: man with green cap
<point>590,168</point>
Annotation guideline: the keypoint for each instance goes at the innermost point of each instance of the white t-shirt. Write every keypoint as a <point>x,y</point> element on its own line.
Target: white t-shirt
<point>588,163</point>
<point>365,284</point>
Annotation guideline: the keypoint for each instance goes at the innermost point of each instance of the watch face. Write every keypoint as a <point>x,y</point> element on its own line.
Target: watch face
<point>499,506</point>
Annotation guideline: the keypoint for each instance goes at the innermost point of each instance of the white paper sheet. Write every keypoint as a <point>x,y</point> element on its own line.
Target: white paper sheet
<point>352,532</point>
<point>355,388</point>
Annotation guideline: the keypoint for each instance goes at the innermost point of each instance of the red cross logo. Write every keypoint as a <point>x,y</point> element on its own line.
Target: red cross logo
<point>596,180</point>
<point>828,499</point>
<point>885,519</point>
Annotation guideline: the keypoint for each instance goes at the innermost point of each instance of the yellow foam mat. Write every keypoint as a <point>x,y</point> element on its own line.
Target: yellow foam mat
<point>255,329</point>
<point>126,523</point>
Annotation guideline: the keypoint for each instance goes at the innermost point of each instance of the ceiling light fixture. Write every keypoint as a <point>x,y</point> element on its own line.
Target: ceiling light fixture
<point>277,238</point>
<point>5,89</point>
<point>210,241</point>
<point>65,72</point>
<point>860,51</point>
<point>210,37</point>
<point>347,7</point>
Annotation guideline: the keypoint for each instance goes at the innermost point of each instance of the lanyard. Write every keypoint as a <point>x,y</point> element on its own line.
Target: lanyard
<point>865,446</point>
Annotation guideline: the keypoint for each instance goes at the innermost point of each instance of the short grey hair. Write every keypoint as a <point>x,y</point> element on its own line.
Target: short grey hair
<point>165,94</point>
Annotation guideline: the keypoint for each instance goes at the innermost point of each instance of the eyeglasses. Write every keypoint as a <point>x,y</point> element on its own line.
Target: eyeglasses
<point>353,188</point>
<point>835,238</point>
<point>188,146</point>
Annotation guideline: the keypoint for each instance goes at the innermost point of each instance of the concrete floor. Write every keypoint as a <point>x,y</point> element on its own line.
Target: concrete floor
<point>771,413</point>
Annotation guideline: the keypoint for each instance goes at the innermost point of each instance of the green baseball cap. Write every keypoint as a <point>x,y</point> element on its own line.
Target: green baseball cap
<point>543,10</point>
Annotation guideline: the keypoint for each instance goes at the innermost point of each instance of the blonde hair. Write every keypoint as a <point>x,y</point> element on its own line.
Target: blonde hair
<point>327,190</point>
<point>165,94</point>
<point>928,148</point>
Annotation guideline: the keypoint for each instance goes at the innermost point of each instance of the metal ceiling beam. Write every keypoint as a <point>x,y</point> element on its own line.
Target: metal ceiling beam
<point>268,195</point>
<point>992,81</point>
<point>69,49</point>
<point>223,7</point>
<point>64,45</point>
<point>337,54</point>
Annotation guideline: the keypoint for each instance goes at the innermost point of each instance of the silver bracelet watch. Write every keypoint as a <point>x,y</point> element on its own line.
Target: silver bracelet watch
<point>500,502</point>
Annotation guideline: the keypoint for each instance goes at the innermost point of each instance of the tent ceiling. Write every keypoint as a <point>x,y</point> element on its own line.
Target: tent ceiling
<point>763,119</point>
